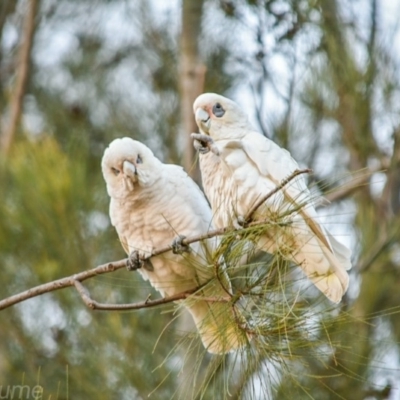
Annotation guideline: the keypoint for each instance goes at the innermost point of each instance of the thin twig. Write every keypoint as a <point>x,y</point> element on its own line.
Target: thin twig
<point>217,274</point>
<point>297,172</point>
<point>94,305</point>
<point>193,239</point>
<point>353,185</point>
<point>22,76</point>
<point>61,283</point>
<point>377,250</point>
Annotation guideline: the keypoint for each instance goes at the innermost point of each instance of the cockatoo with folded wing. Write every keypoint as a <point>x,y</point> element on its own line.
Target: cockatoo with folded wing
<point>153,204</point>
<point>239,166</point>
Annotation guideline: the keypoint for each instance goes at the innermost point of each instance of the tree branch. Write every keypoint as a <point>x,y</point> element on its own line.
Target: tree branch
<point>297,172</point>
<point>111,267</point>
<point>354,184</point>
<point>76,279</point>
<point>22,77</point>
<point>94,305</point>
<point>376,251</point>
<point>61,283</point>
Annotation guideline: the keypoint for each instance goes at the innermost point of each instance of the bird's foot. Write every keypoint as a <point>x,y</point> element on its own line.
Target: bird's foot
<point>204,144</point>
<point>134,261</point>
<point>138,260</point>
<point>201,147</point>
<point>241,221</point>
<point>178,247</point>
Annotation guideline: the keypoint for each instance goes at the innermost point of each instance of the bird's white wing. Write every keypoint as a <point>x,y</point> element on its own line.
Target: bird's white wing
<point>276,164</point>
<point>189,200</point>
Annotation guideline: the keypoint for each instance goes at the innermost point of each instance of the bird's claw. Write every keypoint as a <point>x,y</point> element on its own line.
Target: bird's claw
<point>200,147</point>
<point>204,144</point>
<point>241,221</point>
<point>134,261</point>
<point>178,247</point>
<point>138,260</point>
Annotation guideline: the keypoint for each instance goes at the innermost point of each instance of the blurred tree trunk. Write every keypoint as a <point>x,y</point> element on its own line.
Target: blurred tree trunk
<point>22,74</point>
<point>191,82</point>
<point>192,74</point>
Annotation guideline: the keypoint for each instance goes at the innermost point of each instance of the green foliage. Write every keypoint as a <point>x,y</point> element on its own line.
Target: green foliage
<point>49,212</point>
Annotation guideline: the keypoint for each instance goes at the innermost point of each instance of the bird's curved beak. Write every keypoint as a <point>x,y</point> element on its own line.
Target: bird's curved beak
<point>130,172</point>
<point>129,169</point>
<point>203,119</point>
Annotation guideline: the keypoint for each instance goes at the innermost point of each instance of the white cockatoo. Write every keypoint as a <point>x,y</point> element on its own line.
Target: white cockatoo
<point>151,205</point>
<point>242,167</point>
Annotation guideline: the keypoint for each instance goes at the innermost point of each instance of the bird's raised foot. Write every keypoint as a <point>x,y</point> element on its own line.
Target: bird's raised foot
<point>242,221</point>
<point>178,247</point>
<point>204,143</point>
<point>201,147</point>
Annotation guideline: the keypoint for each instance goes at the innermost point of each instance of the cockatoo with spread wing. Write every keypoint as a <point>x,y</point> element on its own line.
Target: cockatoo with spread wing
<point>154,204</point>
<point>242,167</point>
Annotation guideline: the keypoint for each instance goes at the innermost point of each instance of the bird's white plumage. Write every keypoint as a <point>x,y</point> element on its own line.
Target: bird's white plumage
<point>151,204</point>
<point>245,167</point>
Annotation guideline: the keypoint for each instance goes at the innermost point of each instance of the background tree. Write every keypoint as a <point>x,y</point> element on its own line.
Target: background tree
<point>321,78</point>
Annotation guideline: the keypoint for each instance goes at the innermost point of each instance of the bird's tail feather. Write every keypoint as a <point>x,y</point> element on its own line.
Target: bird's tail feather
<point>342,253</point>
<point>322,265</point>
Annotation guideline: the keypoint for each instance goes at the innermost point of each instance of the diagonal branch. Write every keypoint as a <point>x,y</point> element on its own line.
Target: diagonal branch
<point>61,283</point>
<point>111,267</point>
<point>376,251</point>
<point>297,172</point>
<point>360,179</point>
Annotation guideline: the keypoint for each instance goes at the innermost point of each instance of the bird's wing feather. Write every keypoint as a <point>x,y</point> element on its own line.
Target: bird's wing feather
<point>277,164</point>
<point>190,200</point>
<point>342,253</point>
<point>124,243</point>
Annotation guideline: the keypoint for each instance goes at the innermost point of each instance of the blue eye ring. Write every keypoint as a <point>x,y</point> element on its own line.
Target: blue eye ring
<point>218,110</point>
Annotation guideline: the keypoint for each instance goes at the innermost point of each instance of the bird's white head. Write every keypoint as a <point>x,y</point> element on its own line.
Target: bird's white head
<point>128,163</point>
<point>219,117</point>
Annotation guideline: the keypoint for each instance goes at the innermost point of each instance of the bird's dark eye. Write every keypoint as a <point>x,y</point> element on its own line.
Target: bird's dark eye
<point>218,110</point>
<point>139,159</point>
<point>115,171</point>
